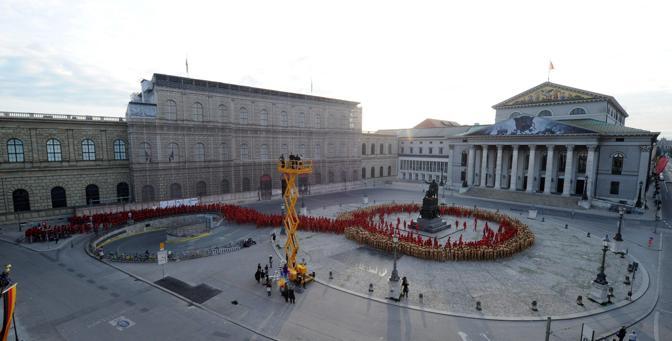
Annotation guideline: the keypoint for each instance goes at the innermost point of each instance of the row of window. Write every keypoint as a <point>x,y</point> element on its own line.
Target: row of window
<point>380,172</point>
<point>15,150</point>
<point>244,116</point>
<point>420,150</point>
<point>381,149</point>
<point>173,151</point>
<point>59,198</point>
<point>544,113</point>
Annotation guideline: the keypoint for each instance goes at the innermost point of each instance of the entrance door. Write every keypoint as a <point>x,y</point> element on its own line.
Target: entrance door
<point>561,183</point>
<point>524,182</point>
<point>579,186</point>
<point>542,184</point>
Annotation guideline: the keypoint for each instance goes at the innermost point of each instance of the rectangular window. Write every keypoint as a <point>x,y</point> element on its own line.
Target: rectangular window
<point>614,187</point>
<point>431,150</point>
<point>420,150</point>
<point>441,150</point>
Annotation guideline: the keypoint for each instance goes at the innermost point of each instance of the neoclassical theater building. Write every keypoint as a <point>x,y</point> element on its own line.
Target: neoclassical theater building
<point>551,139</point>
<point>185,138</point>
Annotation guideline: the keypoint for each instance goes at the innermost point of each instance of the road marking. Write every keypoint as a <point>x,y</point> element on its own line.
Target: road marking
<point>487,338</point>
<point>655,326</point>
<point>463,336</point>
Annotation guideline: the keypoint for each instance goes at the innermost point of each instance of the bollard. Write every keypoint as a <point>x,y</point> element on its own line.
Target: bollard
<point>566,225</point>
<point>542,219</point>
<point>420,296</point>
<point>588,235</point>
<point>331,275</point>
<point>630,267</point>
<point>478,305</point>
<point>629,295</point>
<point>627,280</point>
<point>534,306</point>
<point>370,287</point>
<point>579,300</point>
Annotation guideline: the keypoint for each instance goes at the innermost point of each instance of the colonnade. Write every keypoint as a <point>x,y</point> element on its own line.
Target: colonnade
<point>534,168</point>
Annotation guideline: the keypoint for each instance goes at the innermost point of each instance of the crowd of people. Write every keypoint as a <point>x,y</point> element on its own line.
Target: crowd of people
<point>369,226</point>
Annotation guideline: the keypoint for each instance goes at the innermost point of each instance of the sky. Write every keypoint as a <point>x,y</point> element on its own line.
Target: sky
<point>403,61</point>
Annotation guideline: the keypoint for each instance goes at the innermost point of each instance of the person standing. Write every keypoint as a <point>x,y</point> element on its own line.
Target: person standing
<point>621,333</point>
<point>270,261</point>
<point>257,275</point>
<point>291,296</point>
<point>273,237</point>
<point>633,336</point>
<point>404,287</point>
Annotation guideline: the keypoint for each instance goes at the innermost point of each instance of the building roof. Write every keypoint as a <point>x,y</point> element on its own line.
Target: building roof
<point>211,86</point>
<point>604,128</point>
<point>433,132</point>
<point>435,123</point>
<point>542,126</point>
<point>551,93</point>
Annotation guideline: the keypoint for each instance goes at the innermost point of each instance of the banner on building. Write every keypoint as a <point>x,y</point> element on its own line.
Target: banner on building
<point>8,304</point>
<point>662,163</point>
<point>178,202</point>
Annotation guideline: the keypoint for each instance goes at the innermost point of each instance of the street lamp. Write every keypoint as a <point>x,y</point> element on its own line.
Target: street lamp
<point>618,239</point>
<point>395,274</point>
<point>600,290</point>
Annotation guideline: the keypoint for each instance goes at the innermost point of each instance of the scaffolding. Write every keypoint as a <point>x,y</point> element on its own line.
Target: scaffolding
<point>290,169</point>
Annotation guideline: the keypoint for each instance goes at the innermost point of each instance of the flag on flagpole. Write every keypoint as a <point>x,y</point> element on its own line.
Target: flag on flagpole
<point>8,303</point>
<point>186,64</point>
<point>550,65</point>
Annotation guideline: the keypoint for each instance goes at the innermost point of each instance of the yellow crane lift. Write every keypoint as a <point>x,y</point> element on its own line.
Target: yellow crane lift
<point>289,170</point>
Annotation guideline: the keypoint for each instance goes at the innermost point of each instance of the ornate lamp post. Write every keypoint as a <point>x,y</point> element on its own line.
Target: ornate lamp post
<point>600,290</point>
<point>617,245</point>
<point>395,274</point>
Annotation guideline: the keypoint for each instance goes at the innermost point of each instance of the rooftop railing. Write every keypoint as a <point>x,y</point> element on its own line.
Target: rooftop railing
<point>40,116</point>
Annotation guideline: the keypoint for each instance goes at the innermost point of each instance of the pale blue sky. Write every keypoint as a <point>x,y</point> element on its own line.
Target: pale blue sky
<point>403,61</point>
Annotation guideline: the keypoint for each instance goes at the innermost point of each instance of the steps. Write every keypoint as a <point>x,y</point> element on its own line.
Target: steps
<point>553,200</point>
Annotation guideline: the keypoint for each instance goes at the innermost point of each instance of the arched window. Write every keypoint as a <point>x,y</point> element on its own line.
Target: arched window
<point>21,200</point>
<point>225,151</point>
<point>544,113</point>
<point>514,115</point>
<point>173,152</point>
<point>301,120</point>
<point>171,110</point>
<point>244,151</point>
<point>147,193</point>
<point>380,172</point>
<point>201,189</point>
<point>363,148</point>
<point>263,118</point>
<point>389,170</point>
<point>123,192</point>
<point>617,163</point>
<point>577,111</point>
<point>54,150</point>
<point>88,150</point>
<point>263,152</point>
<point>92,195</point>
<point>58,198</point>
<point>373,149</point>
<point>197,112</point>
<point>318,121</point>
<point>146,152</point>
<point>223,112</point>
<point>381,149</point>
<point>243,116</point>
<point>199,152</point>
<point>363,173</point>
<point>15,150</point>
<point>284,119</point>
<point>119,150</point>
<point>373,172</point>
<point>175,191</point>
<point>226,187</point>
<point>318,152</point>
<point>389,148</point>
<point>246,185</point>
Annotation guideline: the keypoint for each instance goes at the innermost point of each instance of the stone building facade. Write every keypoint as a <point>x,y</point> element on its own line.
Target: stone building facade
<point>54,162</point>
<point>551,139</point>
<point>194,138</point>
<point>379,155</point>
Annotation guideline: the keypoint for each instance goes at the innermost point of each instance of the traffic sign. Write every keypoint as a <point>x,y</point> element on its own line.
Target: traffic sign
<point>162,257</point>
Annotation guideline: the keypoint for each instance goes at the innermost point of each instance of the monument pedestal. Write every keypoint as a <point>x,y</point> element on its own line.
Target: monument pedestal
<point>599,293</point>
<point>617,247</point>
<point>432,225</point>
